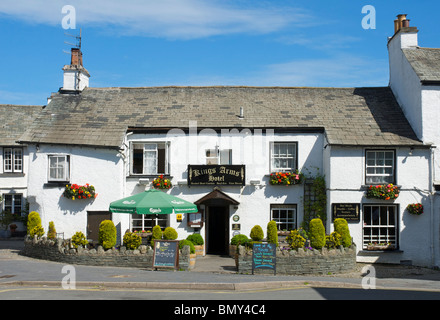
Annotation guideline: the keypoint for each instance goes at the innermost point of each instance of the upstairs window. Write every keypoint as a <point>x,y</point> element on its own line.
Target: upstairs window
<point>149,158</point>
<point>217,156</point>
<point>283,156</point>
<point>13,160</point>
<point>380,166</point>
<point>59,168</point>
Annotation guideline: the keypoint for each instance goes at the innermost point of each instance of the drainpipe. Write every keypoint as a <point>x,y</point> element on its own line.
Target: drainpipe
<point>431,196</point>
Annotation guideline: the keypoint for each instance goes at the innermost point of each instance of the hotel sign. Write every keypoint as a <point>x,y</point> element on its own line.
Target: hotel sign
<point>201,175</point>
<point>347,211</point>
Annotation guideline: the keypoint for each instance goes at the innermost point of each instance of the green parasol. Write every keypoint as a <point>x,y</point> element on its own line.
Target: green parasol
<point>152,202</point>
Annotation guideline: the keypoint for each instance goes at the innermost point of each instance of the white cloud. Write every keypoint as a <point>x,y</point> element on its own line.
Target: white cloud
<point>164,18</point>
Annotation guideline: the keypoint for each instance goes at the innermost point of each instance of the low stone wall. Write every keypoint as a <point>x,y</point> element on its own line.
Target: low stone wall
<point>60,250</point>
<point>303,261</point>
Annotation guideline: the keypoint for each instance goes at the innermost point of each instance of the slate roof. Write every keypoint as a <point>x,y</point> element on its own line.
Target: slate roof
<point>425,62</point>
<point>14,120</point>
<point>100,117</point>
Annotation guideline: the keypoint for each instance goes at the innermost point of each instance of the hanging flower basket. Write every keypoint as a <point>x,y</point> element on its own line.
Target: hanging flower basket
<point>383,192</point>
<point>75,191</point>
<point>286,178</point>
<point>162,183</point>
<point>415,208</point>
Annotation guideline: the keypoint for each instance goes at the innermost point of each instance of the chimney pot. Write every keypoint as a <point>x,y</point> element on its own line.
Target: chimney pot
<point>76,57</point>
<point>405,23</point>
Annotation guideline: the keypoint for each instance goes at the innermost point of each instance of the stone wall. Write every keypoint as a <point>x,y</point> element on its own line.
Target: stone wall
<point>303,261</point>
<point>61,251</point>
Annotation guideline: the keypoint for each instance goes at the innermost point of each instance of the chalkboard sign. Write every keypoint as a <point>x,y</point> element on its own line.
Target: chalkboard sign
<point>264,256</point>
<point>166,254</point>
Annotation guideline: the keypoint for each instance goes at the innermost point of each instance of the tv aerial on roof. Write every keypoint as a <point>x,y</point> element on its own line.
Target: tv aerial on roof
<point>77,43</point>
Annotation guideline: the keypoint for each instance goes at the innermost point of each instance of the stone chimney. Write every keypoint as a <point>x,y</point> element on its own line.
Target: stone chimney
<point>404,35</point>
<point>76,77</point>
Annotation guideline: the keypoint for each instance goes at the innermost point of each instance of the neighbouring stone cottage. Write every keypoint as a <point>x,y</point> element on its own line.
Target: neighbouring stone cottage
<point>219,146</point>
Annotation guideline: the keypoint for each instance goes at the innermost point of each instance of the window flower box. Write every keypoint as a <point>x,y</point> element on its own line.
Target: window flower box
<point>75,191</point>
<point>286,178</point>
<point>162,183</point>
<point>415,208</point>
<point>383,192</point>
<point>380,246</point>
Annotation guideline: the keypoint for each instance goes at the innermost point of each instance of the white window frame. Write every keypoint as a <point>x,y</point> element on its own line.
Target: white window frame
<point>146,220</point>
<point>287,156</point>
<point>383,225</point>
<point>65,166</point>
<point>281,221</point>
<point>380,162</point>
<point>13,160</point>
<point>218,156</point>
<point>148,149</point>
<point>14,198</point>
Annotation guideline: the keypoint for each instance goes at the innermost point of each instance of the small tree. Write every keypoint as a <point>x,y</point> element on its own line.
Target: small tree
<point>317,233</point>
<point>272,233</point>
<point>157,234</point>
<point>341,227</point>
<point>52,233</point>
<point>257,233</point>
<point>107,234</point>
<point>33,221</point>
<point>170,233</point>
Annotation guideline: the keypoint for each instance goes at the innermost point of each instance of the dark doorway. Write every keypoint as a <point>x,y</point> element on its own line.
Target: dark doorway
<point>94,219</point>
<point>218,229</point>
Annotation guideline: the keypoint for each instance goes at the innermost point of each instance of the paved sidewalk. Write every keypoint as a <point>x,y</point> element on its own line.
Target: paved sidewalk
<point>210,273</point>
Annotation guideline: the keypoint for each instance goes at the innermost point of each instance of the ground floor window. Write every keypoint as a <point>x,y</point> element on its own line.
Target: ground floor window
<point>284,215</point>
<point>12,203</point>
<point>146,222</point>
<point>380,225</point>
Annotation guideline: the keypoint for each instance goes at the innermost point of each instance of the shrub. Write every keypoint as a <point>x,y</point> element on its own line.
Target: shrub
<point>295,240</point>
<point>170,233</point>
<point>79,239</point>
<point>33,221</point>
<point>52,233</point>
<point>37,231</point>
<point>333,240</point>
<point>157,234</point>
<point>185,242</point>
<point>317,233</point>
<point>341,227</point>
<point>196,239</point>
<point>107,234</point>
<point>239,239</point>
<point>132,241</point>
<point>257,233</point>
<point>272,233</point>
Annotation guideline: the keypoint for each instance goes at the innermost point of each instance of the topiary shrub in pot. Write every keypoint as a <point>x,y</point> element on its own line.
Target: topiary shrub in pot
<point>33,221</point>
<point>157,234</point>
<point>107,234</point>
<point>257,233</point>
<point>185,242</point>
<point>132,241</point>
<point>170,233</point>
<point>317,233</point>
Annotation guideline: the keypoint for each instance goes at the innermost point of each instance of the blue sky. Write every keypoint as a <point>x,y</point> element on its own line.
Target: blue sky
<point>137,43</point>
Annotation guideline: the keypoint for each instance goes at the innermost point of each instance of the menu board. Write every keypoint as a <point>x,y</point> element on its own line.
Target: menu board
<point>264,256</point>
<point>166,254</point>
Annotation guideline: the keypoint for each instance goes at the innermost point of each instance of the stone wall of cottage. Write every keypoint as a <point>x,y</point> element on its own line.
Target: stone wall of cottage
<point>303,261</point>
<point>60,250</point>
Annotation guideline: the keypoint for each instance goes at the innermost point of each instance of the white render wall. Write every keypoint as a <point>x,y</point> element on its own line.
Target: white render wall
<point>251,149</point>
<point>347,185</point>
<point>98,167</point>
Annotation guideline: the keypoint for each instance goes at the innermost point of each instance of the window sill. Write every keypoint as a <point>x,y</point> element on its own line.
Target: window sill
<point>148,176</point>
<point>12,174</point>
<point>372,252</point>
<point>55,184</point>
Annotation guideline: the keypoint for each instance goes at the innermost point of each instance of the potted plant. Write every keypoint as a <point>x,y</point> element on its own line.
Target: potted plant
<point>13,227</point>
<point>286,178</point>
<point>162,183</point>
<point>415,208</point>
<point>383,192</point>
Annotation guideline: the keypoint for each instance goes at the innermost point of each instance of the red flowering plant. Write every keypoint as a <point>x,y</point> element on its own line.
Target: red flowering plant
<point>286,178</point>
<point>415,208</point>
<point>384,192</point>
<point>162,183</point>
<point>75,191</point>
